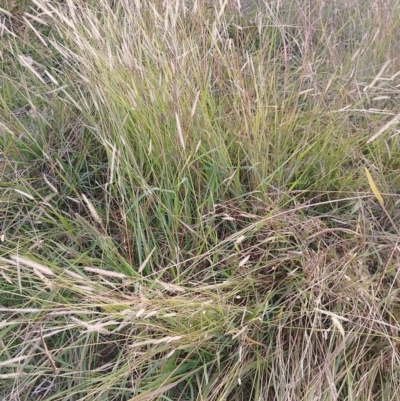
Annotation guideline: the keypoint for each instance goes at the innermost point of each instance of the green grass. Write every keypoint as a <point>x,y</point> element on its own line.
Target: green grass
<point>184,211</point>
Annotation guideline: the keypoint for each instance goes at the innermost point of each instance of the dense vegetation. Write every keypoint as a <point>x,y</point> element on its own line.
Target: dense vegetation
<point>199,202</point>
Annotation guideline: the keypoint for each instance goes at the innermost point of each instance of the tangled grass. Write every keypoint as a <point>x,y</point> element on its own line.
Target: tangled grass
<point>199,205</point>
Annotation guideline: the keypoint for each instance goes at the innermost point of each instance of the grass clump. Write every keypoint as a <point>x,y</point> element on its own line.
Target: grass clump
<point>185,213</point>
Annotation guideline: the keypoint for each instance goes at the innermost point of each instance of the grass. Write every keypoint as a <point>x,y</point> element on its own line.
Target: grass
<point>185,209</point>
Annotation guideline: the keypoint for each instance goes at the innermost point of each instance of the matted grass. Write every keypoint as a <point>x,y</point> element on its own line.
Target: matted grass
<point>199,202</point>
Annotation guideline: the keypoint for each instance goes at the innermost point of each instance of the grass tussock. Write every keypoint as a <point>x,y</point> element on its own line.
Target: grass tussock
<point>199,201</point>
